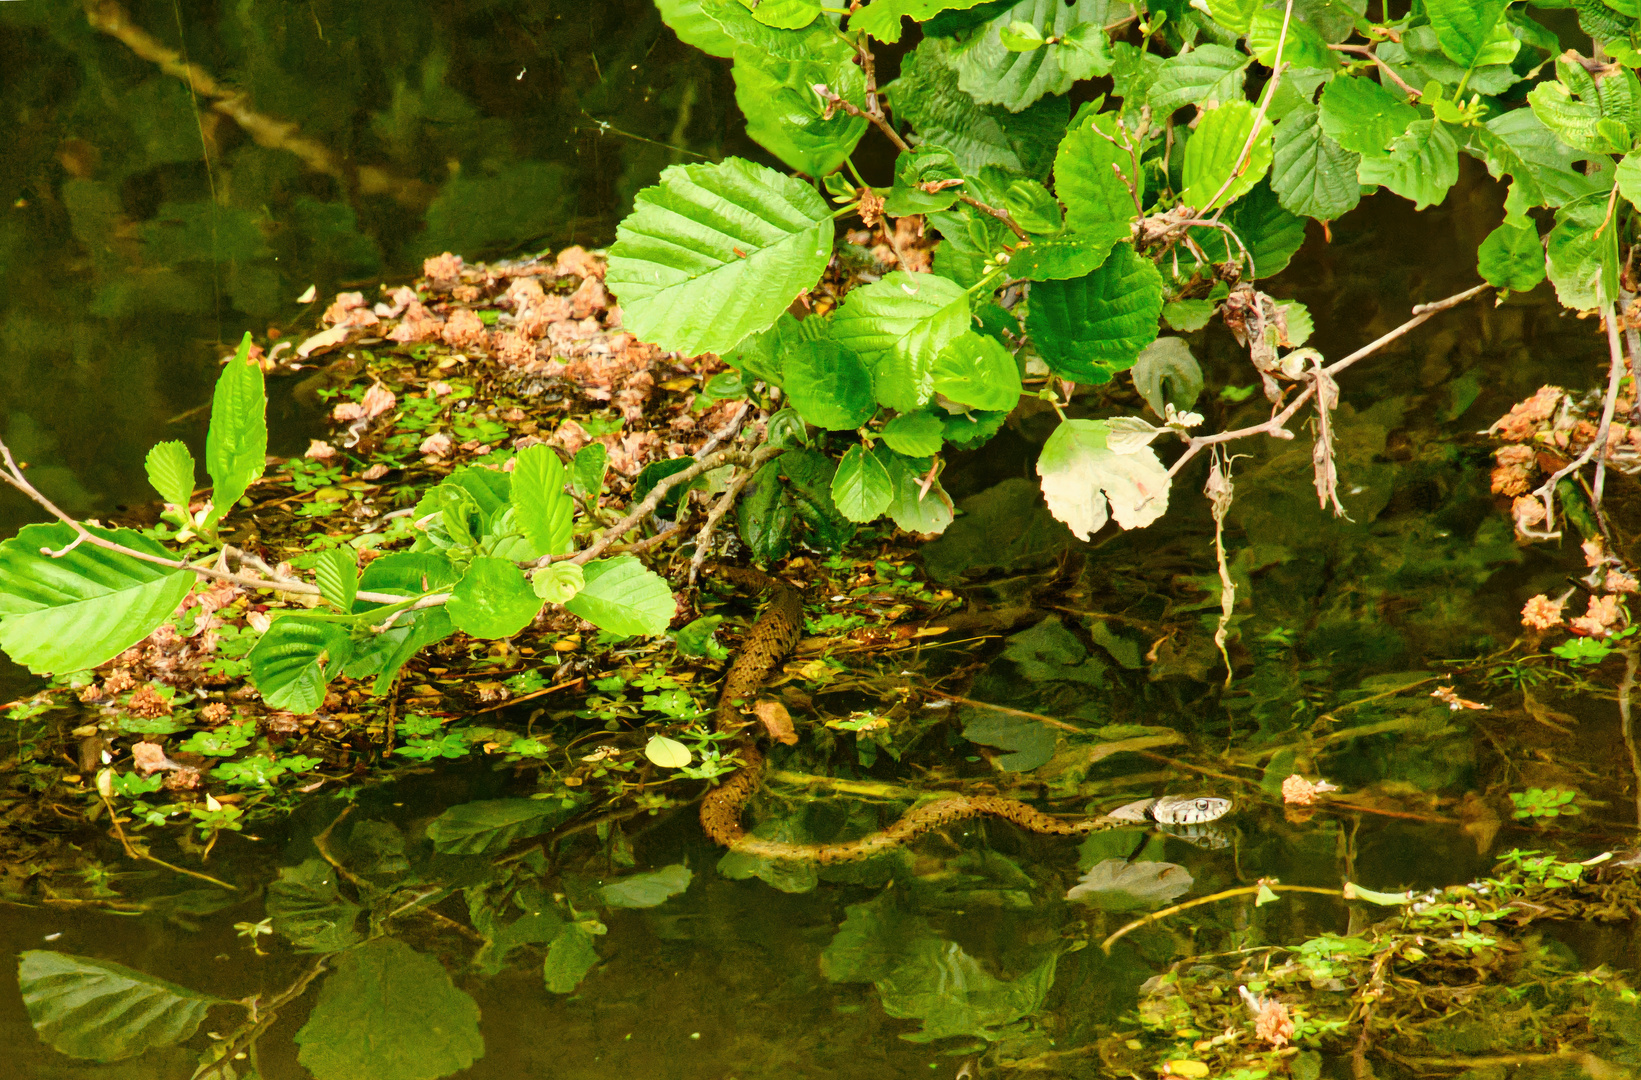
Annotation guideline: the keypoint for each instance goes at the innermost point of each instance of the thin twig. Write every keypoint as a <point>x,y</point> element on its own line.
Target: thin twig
<point>997,212</point>
<point>1367,51</point>
<point>726,433</point>
<point>1274,427</point>
<point>703,539</point>
<point>1614,377</point>
<point>833,101</point>
<point>1277,67</point>
<point>1246,890</point>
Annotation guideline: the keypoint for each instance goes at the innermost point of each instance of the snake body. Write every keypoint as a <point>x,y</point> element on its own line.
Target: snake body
<point>772,637</point>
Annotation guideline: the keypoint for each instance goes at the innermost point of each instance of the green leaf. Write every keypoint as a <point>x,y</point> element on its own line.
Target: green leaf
<point>1020,36</point>
<point>1304,47</point>
<point>308,910</point>
<point>1512,257</point>
<point>388,1012</point>
<point>1213,154</point>
<point>976,370</point>
<point>991,73</point>
<point>1464,27</point>
<point>492,600</point>
<point>785,116</point>
<point>1313,176</point>
<point>171,470</point>
<point>491,825</point>
<point>1269,232</point>
<point>1208,75</point>
<point>337,571</point>
<point>1541,167</point>
<point>1362,116</point>
<point>911,507</point>
<point>882,18</point>
<point>1081,474</point>
<point>765,514</point>
<point>1167,374</point>
<point>1603,21</point>
<point>296,659</point>
<point>923,164</point>
<point>861,487</point>
<point>784,14</point>
<point>1187,316</point>
<point>1094,173</point>
<point>86,607</point>
<point>236,446</point>
<point>695,27</point>
<point>406,573</point>
<point>927,96</point>
<point>1583,266</point>
<point>1068,255</point>
<point>818,41</point>
<point>1090,327</point>
<point>917,434</point>
<point>1233,15</point>
<point>897,326</point>
<point>558,583</point>
<point>667,753</point>
<point>541,507</point>
<point>646,890</point>
<point>1579,124</point>
<point>808,477</point>
<point>828,385</point>
<point>569,958</point>
<point>621,597</point>
<point>587,470</point>
<point>1423,163</point>
<point>716,252</point>
<point>104,1011</point>
<point>1029,203</point>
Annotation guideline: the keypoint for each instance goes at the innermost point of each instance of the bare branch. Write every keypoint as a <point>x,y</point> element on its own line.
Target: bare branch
<point>703,539</point>
<point>1367,51</point>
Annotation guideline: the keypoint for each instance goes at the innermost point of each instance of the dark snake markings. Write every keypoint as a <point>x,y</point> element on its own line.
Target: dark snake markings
<point>771,639</point>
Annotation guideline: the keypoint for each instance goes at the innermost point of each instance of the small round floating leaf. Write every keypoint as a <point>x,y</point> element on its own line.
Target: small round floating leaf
<point>667,753</point>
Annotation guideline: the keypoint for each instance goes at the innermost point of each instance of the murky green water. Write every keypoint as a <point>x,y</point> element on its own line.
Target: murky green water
<point>126,261</point>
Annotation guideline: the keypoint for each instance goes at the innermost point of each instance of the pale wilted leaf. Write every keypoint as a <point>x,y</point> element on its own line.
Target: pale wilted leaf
<point>1085,480</point>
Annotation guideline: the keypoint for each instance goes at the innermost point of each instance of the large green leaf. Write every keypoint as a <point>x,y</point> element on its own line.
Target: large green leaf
<point>569,959</point>
<point>1579,124</point>
<point>1362,116</point>
<point>1090,327</point>
<point>828,385</point>
<point>1082,474</point>
<point>541,506</point>
<point>89,605</point>
<point>1216,172</point>
<point>1582,255</point>
<point>621,597</point>
<point>170,469</point>
<point>1208,75</point>
<point>1303,47</point>
<point>388,1012</point>
<point>977,371</point>
<point>818,41</point>
<point>784,14</point>
<point>882,18</point>
<point>296,659</point>
<point>492,600</point>
<point>928,97</point>
<point>236,446</point>
<point>308,910</point>
<point>1313,176</point>
<point>1512,257</point>
<point>95,1009</point>
<point>490,825</point>
<point>406,573</point>
<point>915,506</point>
<point>714,253</point>
<point>646,890</point>
<point>1068,255</point>
<point>1463,27</point>
<point>787,118</point>
<point>1419,60</point>
<point>915,434</point>
<point>861,488</point>
<point>765,514</point>
<point>926,164</point>
<point>808,478</point>
<point>1542,168</point>
<point>897,326</point>
<point>1422,165</point>
<point>694,27</point>
<point>1269,232</point>
<point>1094,173</point>
<point>993,74</point>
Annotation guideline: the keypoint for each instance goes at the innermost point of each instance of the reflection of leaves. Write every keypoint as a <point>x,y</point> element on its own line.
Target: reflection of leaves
<point>308,911</point>
<point>538,923</point>
<point>476,828</point>
<point>1117,885</point>
<point>1031,741</point>
<point>517,202</point>
<point>787,875</point>
<point>647,890</point>
<point>1003,527</point>
<point>920,976</point>
<point>389,1012</point>
<point>95,1009</point>
<point>569,959</point>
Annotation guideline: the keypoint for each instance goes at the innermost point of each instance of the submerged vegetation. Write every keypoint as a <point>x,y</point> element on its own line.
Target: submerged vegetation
<point>501,563</point>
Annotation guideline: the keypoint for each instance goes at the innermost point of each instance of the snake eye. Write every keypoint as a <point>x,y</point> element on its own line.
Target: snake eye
<point>1203,804</point>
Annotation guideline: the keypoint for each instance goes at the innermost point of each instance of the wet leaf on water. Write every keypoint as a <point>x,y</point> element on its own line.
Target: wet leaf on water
<point>538,924</point>
<point>787,875</point>
<point>569,959</point>
<point>104,1011</point>
<point>1006,527</point>
<point>308,911</point>
<point>477,828</point>
<point>388,1012</point>
<point>667,753</point>
<point>1030,742</point>
<point>647,890</point>
<point>698,638</point>
<point>1118,885</point>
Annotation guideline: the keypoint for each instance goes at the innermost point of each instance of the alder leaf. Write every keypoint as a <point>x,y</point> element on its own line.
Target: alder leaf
<point>103,1011</point>
<point>621,597</point>
<point>897,326</point>
<point>1214,156</point>
<point>170,469</point>
<point>541,507</point>
<point>337,572</point>
<point>861,488</point>
<point>1085,481</point>
<point>236,446</point>
<point>1087,328</point>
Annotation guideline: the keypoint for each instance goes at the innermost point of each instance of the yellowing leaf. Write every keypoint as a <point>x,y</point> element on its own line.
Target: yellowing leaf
<point>667,753</point>
<point>1082,474</point>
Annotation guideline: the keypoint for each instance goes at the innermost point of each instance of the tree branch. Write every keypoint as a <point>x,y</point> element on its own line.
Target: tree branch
<point>1259,116</point>
<point>1367,51</point>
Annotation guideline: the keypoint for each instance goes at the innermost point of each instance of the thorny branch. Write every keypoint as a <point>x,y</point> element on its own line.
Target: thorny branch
<point>1276,425</point>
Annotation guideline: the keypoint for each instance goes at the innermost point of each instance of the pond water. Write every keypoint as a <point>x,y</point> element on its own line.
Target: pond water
<point>129,257</point>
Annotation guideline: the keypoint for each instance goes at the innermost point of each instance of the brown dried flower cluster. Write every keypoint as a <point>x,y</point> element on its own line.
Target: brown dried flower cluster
<point>1512,475</point>
<point>1599,619</point>
<point>147,702</point>
<point>1524,417</point>
<point>1541,613</point>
